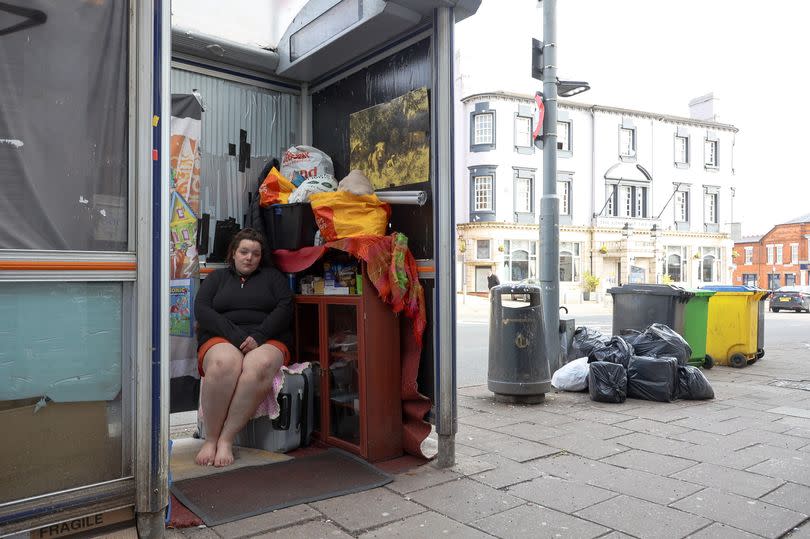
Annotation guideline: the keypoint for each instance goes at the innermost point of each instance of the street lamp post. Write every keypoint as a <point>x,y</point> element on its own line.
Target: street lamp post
<point>544,67</point>
<point>654,236</point>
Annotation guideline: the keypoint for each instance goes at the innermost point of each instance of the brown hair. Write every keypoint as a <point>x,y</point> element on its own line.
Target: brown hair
<point>249,234</point>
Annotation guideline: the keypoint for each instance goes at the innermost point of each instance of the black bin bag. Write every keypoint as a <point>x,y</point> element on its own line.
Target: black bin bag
<point>693,385</point>
<point>617,350</point>
<point>660,340</point>
<point>653,378</point>
<point>607,382</point>
<point>585,340</point>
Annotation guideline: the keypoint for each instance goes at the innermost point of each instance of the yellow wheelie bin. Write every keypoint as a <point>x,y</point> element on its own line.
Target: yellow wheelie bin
<point>732,325</point>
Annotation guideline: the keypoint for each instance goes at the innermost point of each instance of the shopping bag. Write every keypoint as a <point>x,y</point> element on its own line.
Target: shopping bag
<point>342,214</point>
<point>275,189</point>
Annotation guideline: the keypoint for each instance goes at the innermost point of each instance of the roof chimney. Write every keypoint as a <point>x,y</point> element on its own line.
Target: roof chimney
<point>704,108</point>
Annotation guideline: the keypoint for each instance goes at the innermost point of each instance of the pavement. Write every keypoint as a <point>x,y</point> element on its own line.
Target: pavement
<point>734,466</point>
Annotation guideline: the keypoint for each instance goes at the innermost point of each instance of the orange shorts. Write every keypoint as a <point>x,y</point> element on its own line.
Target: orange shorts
<point>206,346</point>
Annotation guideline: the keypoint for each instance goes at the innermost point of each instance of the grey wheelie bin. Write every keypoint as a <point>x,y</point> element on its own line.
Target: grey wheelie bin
<point>636,306</point>
<point>518,369</point>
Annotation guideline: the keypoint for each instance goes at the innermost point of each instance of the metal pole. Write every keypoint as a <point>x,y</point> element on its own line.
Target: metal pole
<point>550,202</point>
<point>444,312</point>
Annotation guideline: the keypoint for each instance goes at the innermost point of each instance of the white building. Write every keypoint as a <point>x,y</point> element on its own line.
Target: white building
<point>644,197</point>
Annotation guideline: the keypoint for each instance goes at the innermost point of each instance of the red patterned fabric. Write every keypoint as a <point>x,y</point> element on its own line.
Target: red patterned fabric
<point>392,270</point>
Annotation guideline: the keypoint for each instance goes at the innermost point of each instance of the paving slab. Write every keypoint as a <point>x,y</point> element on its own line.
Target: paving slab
<point>583,444</point>
<point>730,480</point>
<point>654,444</point>
<point>783,469</point>
<point>643,519</point>
<point>722,531</point>
<point>531,521</point>
<point>574,468</point>
<point>487,420</point>
<point>650,426</point>
<point>465,500</point>
<point>560,494</point>
<point>368,509</point>
<point>428,525</point>
<point>727,426</point>
<point>606,416</point>
<point>422,477</point>
<point>311,530</point>
<point>267,522</point>
<point>472,465</point>
<point>532,431</point>
<point>790,496</point>
<point>753,516</point>
<point>739,460</point>
<point>647,486</point>
<point>645,461</point>
<point>507,472</point>
<point>518,449</point>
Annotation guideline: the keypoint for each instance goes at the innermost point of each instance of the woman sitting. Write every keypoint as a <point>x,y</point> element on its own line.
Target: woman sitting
<point>244,313</point>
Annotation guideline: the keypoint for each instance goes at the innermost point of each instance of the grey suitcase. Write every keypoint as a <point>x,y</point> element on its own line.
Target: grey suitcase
<point>293,426</point>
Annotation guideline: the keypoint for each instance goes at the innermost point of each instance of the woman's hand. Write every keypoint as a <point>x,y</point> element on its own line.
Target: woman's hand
<point>248,344</point>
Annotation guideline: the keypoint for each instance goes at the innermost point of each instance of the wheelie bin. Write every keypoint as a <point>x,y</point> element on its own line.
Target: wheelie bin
<point>695,327</point>
<point>761,324</point>
<point>733,323</point>
<point>518,370</point>
<point>636,306</point>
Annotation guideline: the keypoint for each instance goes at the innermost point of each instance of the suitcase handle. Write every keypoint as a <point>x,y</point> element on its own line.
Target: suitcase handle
<point>282,422</point>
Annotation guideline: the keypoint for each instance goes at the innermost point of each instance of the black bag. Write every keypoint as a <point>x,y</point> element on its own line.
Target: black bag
<point>607,382</point>
<point>585,340</point>
<point>659,340</point>
<point>653,378</point>
<point>693,385</point>
<point>617,350</point>
<point>224,231</point>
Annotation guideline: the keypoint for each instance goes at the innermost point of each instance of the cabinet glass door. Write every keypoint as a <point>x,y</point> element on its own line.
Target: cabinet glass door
<point>344,373</point>
<point>308,346</point>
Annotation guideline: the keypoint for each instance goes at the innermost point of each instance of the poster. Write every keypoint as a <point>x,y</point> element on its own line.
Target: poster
<point>390,142</point>
<point>181,318</point>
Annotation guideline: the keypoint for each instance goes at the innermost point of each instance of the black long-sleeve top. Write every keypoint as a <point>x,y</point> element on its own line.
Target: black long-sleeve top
<point>261,307</point>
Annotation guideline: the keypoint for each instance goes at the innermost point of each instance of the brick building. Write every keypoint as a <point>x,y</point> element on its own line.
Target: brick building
<point>779,258</point>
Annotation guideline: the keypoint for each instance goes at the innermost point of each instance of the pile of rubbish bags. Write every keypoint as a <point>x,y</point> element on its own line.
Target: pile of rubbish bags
<point>650,365</point>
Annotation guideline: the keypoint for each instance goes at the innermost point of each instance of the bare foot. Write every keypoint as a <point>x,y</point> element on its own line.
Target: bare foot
<point>224,455</point>
<point>207,453</point>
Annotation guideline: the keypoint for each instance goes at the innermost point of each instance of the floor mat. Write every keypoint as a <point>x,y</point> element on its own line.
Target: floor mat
<point>184,450</point>
<point>245,492</point>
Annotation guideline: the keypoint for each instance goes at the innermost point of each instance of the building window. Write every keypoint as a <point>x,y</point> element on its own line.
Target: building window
<point>483,193</point>
<point>569,261</point>
<point>708,264</point>
<point>482,251</point>
<point>523,131</point>
<point>627,142</point>
<point>674,267</point>
<point>710,153</point>
<point>773,281</point>
<point>794,253</point>
<point>681,150</point>
<point>749,279</point>
<point>627,200</point>
<point>749,255</point>
<point>523,194</point>
<point>564,192</point>
<point>769,250</point>
<point>482,128</point>
<point>710,208</point>
<point>520,259</point>
<point>779,257</point>
<point>564,138</point>
<point>682,206</point>
<point>790,279</point>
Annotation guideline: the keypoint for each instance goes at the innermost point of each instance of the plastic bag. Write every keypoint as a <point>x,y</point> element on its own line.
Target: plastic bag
<point>306,161</point>
<point>275,189</point>
<point>356,182</point>
<point>630,335</point>
<point>607,382</point>
<point>653,378</point>
<point>585,340</point>
<point>344,215</point>
<point>659,340</point>
<point>573,376</point>
<point>693,385</point>
<point>617,350</point>
<point>322,183</point>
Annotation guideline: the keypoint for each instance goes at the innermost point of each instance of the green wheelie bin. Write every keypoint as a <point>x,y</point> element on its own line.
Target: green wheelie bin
<point>695,327</point>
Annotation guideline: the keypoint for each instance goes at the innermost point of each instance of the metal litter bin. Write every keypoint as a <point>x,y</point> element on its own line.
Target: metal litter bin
<point>518,370</point>
<point>733,335</point>
<point>636,306</point>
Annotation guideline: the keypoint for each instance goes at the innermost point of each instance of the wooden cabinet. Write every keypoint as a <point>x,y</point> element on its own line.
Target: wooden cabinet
<point>353,345</point>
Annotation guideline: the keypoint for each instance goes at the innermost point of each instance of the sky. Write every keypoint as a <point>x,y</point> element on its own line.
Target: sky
<point>657,55</point>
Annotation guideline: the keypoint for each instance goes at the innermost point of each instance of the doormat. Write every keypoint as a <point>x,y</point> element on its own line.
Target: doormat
<point>246,492</point>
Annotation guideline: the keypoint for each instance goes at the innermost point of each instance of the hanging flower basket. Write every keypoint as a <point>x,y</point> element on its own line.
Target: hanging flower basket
<point>603,249</point>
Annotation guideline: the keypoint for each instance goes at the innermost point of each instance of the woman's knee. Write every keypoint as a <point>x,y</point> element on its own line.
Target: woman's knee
<point>224,361</point>
<point>263,361</point>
